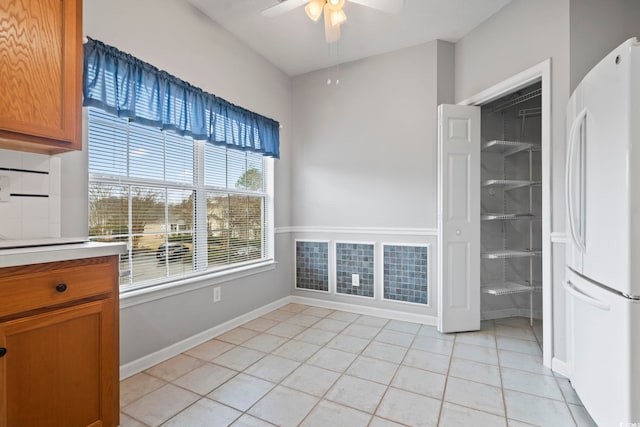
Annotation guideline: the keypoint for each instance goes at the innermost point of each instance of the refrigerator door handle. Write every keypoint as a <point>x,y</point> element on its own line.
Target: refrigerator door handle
<point>568,173</point>
<point>574,291</point>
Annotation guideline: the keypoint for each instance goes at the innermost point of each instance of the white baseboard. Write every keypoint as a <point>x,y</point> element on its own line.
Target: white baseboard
<point>159,356</point>
<point>370,311</point>
<point>560,367</point>
<point>166,353</point>
<point>510,312</point>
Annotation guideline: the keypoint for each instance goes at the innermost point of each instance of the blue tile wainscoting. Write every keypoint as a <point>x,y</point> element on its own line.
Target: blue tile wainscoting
<point>406,273</point>
<point>355,258</point>
<point>312,265</point>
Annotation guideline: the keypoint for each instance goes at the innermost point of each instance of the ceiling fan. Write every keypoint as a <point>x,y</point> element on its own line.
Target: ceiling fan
<point>334,16</point>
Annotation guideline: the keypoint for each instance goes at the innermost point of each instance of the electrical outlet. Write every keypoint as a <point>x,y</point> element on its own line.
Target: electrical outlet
<point>5,184</point>
<point>355,280</point>
<point>217,294</point>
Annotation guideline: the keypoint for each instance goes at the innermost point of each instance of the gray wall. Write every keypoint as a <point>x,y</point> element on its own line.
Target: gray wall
<point>522,34</point>
<point>446,72</point>
<point>598,27</point>
<point>171,36</point>
<point>365,154</point>
<point>365,150</point>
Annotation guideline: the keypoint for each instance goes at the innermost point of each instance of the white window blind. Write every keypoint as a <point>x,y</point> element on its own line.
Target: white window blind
<point>183,207</point>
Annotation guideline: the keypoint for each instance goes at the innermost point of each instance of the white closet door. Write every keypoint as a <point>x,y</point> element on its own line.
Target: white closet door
<point>458,218</point>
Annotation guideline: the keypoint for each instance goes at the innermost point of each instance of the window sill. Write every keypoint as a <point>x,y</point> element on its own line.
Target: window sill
<point>141,296</point>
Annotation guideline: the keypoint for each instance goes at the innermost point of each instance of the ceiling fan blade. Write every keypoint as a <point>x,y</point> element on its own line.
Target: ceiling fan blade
<point>389,6</point>
<point>283,7</point>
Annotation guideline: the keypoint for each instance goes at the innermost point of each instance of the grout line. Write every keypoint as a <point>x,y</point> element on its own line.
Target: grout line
<point>24,170</point>
<point>395,374</point>
<point>320,399</point>
<point>504,399</point>
<point>446,380</point>
<point>341,374</point>
<point>360,354</point>
<point>344,373</point>
<point>29,195</point>
<point>278,384</point>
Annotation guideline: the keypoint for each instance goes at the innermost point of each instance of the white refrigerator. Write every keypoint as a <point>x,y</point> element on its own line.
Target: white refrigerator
<point>603,244</point>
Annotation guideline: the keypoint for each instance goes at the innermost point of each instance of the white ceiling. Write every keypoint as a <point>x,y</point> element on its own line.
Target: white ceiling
<point>296,45</point>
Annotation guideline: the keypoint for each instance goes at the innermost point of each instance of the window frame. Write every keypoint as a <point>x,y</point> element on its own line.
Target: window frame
<point>218,273</point>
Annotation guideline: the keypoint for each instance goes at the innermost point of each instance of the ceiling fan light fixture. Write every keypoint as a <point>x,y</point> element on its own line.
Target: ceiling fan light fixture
<point>314,9</point>
<point>335,5</point>
<point>331,32</point>
<point>337,17</point>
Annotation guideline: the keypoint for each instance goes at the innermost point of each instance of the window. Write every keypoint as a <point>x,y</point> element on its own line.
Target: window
<point>183,207</point>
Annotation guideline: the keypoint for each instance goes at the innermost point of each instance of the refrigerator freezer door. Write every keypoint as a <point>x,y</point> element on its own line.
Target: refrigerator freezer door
<point>604,354</point>
<point>604,141</point>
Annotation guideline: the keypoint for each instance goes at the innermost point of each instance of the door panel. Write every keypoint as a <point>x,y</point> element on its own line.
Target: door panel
<point>604,218</point>
<point>601,351</point>
<point>458,182</point>
<point>458,273</point>
<point>458,218</point>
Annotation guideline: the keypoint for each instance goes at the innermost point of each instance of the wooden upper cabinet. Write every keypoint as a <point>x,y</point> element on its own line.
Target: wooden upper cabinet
<point>41,75</point>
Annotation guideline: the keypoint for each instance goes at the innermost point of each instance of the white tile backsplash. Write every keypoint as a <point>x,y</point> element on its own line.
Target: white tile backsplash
<point>36,162</point>
<point>10,212</point>
<point>55,175</point>
<point>55,209</point>
<point>10,159</point>
<point>15,180</point>
<point>31,217</point>
<point>35,183</point>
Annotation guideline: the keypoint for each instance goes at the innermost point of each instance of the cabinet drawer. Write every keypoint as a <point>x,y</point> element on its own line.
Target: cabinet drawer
<point>28,291</point>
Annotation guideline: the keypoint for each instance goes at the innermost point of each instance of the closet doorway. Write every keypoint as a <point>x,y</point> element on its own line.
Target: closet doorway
<point>494,205</point>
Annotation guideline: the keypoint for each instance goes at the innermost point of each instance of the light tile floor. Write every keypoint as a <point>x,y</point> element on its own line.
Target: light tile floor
<point>310,366</point>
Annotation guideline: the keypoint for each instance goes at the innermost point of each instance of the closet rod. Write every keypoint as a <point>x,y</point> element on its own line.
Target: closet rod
<point>518,100</point>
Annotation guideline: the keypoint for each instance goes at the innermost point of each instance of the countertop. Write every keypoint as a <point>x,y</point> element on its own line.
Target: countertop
<point>16,256</point>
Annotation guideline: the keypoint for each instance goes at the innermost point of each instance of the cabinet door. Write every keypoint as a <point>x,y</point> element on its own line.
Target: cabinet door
<point>40,75</point>
<point>59,368</point>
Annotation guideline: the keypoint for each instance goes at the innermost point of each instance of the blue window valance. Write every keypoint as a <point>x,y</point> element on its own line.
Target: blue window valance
<point>128,87</point>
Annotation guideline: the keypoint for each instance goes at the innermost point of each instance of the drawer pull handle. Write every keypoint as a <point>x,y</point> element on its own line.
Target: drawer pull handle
<point>3,351</point>
<point>61,287</point>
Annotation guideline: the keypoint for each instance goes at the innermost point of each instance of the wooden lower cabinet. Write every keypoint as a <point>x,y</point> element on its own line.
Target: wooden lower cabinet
<point>60,366</point>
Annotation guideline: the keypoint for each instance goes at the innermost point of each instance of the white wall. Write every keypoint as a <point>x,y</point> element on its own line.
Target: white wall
<point>521,35</point>
<point>171,36</point>
<point>598,27</point>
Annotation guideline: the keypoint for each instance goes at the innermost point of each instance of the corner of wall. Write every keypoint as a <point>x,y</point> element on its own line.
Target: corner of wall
<point>445,73</point>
